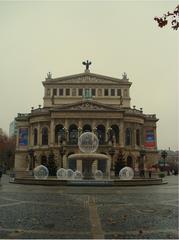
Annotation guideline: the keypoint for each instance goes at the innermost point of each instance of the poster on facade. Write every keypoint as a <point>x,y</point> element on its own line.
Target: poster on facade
<point>149,138</point>
<point>23,136</point>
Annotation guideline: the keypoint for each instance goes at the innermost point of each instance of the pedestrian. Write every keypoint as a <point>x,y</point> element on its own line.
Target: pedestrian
<point>150,173</point>
<point>142,173</point>
<point>0,174</point>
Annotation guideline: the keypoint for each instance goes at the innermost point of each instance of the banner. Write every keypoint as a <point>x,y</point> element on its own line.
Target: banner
<point>23,136</point>
<point>149,138</point>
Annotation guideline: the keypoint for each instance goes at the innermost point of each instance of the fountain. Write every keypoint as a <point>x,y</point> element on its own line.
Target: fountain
<point>88,144</point>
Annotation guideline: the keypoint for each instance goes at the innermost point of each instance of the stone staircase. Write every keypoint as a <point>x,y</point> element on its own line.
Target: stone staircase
<point>23,174</point>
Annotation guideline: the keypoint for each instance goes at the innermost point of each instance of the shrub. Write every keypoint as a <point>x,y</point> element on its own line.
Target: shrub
<point>161,175</point>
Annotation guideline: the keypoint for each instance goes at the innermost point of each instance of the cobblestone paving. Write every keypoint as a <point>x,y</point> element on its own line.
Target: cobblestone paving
<point>89,212</point>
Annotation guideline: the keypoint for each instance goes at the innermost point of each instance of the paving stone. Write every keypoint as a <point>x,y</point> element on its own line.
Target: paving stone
<point>33,212</point>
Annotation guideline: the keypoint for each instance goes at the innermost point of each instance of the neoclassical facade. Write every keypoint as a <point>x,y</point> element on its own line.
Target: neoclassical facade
<point>85,102</point>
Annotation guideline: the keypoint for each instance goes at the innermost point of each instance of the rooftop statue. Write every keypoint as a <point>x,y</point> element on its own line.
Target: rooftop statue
<point>49,75</point>
<point>87,63</point>
<point>124,76</point>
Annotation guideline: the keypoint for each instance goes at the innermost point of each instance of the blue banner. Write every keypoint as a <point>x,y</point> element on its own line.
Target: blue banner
<point>23,136</point>
<point>149,138</point>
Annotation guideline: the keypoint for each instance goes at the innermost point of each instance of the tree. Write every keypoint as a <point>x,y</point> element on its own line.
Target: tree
<point>7,151</point>
<point>162,21</point>
<point>51,164</point>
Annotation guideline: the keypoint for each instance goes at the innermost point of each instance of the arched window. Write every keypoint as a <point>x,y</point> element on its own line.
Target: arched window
<point>138,137</point>
<point>44,136</point>
<point>35,136</point>
<point>87,128</point>
<point>115,132</point>
<point>59,133</point>
<point>73,134</point>
<point>128,137</point>
<point>101,134</point>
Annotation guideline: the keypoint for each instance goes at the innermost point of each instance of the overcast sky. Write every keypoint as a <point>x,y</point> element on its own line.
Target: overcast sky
<point>117,36</point>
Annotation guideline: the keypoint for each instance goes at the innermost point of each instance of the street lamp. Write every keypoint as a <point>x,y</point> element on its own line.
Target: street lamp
<point>110,135</point>
<point>62,152</point>
<point>32,159</point>
<point>142,155</point>
<point>111,153</point>
<point>164,156</point>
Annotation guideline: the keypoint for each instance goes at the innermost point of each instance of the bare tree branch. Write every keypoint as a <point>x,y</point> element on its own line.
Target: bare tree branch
<point>162,21</point>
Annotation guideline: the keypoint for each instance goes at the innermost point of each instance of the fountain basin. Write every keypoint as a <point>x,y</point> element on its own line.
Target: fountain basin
<point>88,156</point>
<point>87,160</point>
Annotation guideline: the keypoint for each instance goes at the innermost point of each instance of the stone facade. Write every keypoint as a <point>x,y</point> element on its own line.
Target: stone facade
<point>85,102</point>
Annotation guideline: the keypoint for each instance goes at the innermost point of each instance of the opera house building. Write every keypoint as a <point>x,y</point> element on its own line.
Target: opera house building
<point>79,103</point>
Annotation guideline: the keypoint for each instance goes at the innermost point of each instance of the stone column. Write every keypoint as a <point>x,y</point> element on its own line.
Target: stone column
<point>79,165</point>
<point>94,128</point>
<point>93,124</point>
<point>52,133</point>
<point>106,133</point>
<point>121,134</point>
<point>142,137</point>
<point>38,136</point>
<point>65,161</point>
<point>134,138</point>
<point>31,136</point>
<point>67,131</point>
<point>79,127</point>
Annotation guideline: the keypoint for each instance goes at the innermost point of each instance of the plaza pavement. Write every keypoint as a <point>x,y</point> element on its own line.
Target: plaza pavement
<point>58,212</point>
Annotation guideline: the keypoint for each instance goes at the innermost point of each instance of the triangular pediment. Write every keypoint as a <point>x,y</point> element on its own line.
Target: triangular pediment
<point>86,105</point>
<point>87,78</point>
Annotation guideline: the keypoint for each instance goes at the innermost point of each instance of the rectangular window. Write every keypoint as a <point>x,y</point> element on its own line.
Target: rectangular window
<point>80,92</point>
<point>48,92</point>
<point>93,92</point>
<point>99,92</point>
<point>60,91</point>
<point>118,92</point>
<point>54,92</point>
<point>67,92</point>
<point>73,91</point>
<point>106,92</point>
<point>112,92</point>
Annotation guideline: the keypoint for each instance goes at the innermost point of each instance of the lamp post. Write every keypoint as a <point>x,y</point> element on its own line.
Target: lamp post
<point>142,155</point>
<point>164,156</point>
<point>62,152</point>
<point>110,136</point>
<point>111,153</point>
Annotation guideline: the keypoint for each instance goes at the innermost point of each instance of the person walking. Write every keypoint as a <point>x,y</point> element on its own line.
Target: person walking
<point>150,173</point>
<point>0,174</point>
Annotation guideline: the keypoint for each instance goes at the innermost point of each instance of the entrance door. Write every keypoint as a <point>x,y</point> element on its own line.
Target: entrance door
<point>129,161</point>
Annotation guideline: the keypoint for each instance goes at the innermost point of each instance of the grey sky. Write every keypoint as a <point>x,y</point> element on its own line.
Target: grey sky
<point>117,36</point>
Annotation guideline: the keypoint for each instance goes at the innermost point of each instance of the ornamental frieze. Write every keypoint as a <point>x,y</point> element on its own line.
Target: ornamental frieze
<point>88,79</point>
<point>86,106</point>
